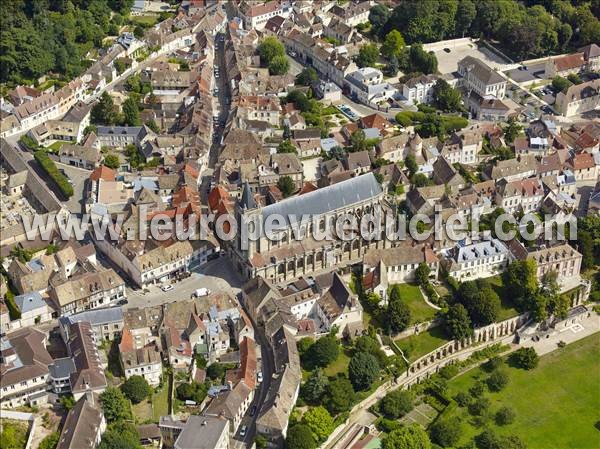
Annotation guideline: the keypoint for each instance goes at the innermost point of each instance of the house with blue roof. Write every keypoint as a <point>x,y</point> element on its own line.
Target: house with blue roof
<point>34,309</point>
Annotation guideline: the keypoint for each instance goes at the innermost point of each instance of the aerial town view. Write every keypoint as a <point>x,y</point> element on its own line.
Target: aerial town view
<point>294,224</point>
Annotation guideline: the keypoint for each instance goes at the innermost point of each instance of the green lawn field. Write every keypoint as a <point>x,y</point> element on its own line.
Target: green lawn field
<point>557,404</point>
<point>419,310</point>
<point>416,346</point>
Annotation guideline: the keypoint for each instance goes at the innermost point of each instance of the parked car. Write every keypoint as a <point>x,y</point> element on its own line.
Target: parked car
<point>122,302</point>
<point>259,376</point>
<point>243,431</point>
<point>253,410</point>
<point>166,288</point>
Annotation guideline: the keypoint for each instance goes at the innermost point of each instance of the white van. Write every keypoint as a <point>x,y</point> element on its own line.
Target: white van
<point>201,292</point>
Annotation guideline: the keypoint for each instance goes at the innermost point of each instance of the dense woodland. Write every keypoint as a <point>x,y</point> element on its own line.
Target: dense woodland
<point>525,29</point>
<point>42,36</point>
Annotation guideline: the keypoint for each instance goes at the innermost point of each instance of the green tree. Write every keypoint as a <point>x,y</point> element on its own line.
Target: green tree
<point>512,130</point>
<point>153,126</point>
<point>397,404</point>
<point>358,140</point>
<point>520,278</point>
<point>574,78</point>
<point>457,322</point>
<point>300,437</point>
<point>136,389</point>
<point>422,61</point>
<point>585,244</point>
<point>561,84</point>
<point>465,14</point>
<point>480,406</point>
<point>307,77</point>
<point>411,164</point>
<point>398,313</point>
<point>378,16</point>
<point>286,147</point>
<point>446,97</point>
<point>12,437</point>
<point>269,49</point>
<point>115,405</point>
<point>392,66</point>
<point>363,370</point>
<point>131,112</point>
<point>323,352</point>
<point>104,112</point>
<point>367,55</point>
<point>497,380</point>
<point>49,442</point>
<point>422,274</point>
<point>314,388</point>
<point>368,344</point>
<point>525,358</point>
<point>261,442</point>
<point>215,371</point>
<point>393,45</point>
<point>504,416</point>
<point>286,185</point>
<point>320,423</point>
<point>111,161</point>
<point>340,395</point>
<point>279,65</point>
<point>408,437</point>
<point>446,431</point>
<point>120,435</point>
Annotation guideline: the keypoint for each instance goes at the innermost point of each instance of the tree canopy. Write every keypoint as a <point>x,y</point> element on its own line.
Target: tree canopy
<point>115,405</point>
<point>300,437</point>
<point>408,437</point>
<point>324,351</point>
<point>367,55</point>
<point>136,389</point>
<point>340,395</point>
<point>320,423</point>
<point>363,370</point>
<point>53,36</point>
<point>457,322</point>
<point>397,404</point>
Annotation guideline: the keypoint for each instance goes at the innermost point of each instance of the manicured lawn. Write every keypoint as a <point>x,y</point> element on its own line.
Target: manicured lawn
<point>508,308</point>
<point>417,346</point>
<point>340,365</point>
<point>56,146</point>
<point>160,402</point>
<point>419,310</point>
<point>153,409</point>
<point>556,404</point>
<point>148,20</point>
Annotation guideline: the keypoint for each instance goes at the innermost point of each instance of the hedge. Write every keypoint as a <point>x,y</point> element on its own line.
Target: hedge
<point>50,168</point>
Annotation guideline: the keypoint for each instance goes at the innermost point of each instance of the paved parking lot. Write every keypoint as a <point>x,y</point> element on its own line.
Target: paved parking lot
<point>217,275</point>
<point>447,61</point>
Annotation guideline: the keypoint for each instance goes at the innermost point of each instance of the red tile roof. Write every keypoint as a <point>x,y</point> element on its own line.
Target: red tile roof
<point>104,173</point>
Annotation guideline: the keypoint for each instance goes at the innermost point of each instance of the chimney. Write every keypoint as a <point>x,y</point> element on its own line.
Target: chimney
<point>89,395</point>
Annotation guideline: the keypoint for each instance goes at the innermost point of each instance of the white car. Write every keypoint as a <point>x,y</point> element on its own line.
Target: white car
<point>259,376</point>
<point>243,431</point>
<point>166,288</point>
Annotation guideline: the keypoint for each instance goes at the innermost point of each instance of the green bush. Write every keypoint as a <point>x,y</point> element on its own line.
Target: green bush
<point>51,170</point>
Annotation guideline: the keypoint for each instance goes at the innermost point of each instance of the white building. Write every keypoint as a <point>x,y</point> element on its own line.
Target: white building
<point>480,78</point>
<point>477,260</point>
<point>419,89</point>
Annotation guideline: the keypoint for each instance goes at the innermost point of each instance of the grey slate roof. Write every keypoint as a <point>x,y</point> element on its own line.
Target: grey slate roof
<point>327,199</point>
<point>62,368</point>
<point>201,432</point>
<point>95,316</point>
<point>29,301</point>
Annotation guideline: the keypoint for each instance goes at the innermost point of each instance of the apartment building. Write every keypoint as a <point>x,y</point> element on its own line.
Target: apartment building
<point>467,262</point>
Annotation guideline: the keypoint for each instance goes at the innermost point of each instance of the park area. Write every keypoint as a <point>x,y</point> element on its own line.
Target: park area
<point>555,404</point>
<point>423,343</point>
<point>420,311</point>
